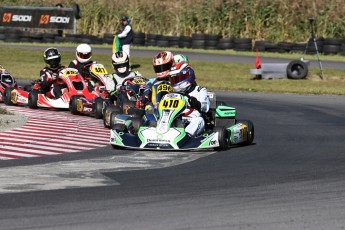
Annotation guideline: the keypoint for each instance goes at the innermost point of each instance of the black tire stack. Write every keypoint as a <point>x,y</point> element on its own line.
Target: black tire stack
<point>198,41</point>
<point>243,44</point>
<point>211,41</point>
<point>151,39</point>
<point>226,43</point>
<point>139,39</point>
<point>108,38</point>
<point>332,46</point>
<point>185,42</point>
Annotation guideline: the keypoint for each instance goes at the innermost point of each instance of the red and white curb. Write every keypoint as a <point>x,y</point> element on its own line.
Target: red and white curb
<point>50,132</point>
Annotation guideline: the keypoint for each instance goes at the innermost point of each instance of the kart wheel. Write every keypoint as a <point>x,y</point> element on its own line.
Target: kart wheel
<point>223,138</point>
<point>250,131</point>
<point>109,115</point>
<point>32,100</point>
<point>7,96</point>
<point>136,123</point>
<point>98,108</point>
<point>28,88</point>
<point>120,127</point>
<point>73,105</point>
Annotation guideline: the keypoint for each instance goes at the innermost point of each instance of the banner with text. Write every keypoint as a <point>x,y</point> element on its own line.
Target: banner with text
<point>37,17</point>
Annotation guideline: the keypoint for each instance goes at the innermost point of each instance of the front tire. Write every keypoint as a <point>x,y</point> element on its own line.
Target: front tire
<point>33,99</point>
<point>7,96</point>
<point>98,108</point>
<point>250,131</point>
<point>73,105</point>
<point>223,138</point>
<point>107,115</point>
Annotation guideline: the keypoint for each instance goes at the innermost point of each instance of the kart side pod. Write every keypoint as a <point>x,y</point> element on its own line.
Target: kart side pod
<point>223,111</point>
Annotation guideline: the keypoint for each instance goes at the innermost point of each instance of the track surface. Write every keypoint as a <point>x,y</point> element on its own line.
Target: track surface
<point>49,132</point>
<point>291,178</point>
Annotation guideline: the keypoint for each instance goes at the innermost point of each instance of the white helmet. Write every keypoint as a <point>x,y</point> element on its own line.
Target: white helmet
<point>120,62</point>
<point>83,53</point>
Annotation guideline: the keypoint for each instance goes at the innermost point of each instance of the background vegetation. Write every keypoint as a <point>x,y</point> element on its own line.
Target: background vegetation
<point>274,20</point>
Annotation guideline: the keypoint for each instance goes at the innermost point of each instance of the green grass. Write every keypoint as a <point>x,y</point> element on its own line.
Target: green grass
<point>27,63</point>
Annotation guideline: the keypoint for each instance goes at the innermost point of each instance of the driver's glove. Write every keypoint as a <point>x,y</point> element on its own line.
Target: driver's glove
<point>194,103</point>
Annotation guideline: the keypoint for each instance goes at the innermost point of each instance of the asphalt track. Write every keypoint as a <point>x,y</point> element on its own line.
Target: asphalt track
<point>292,177</point>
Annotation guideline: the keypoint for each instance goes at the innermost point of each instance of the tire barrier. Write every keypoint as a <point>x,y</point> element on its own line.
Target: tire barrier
<point>327,46</point>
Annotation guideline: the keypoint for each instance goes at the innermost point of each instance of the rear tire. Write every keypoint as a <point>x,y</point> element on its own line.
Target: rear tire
<point>223,138</point>
<point>98,108</point>
<point>7,96</point>
<point>32,100</point>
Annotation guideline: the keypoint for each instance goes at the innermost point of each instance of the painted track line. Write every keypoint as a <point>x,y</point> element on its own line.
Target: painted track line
<point>51,132</point>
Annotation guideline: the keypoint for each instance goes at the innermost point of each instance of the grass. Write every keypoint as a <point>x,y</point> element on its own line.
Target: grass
<point>5,112</point>
<point>27,63</point>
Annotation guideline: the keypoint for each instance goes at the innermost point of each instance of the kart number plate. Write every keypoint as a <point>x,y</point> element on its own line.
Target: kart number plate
<point>139,81</point>
<point>164,88</point>
<point>171,103</point>
<point>99,69</point>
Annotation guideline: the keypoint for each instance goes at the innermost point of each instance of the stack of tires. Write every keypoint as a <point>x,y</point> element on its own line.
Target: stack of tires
<point>332,46</point>
<point>185,42</point>
<point>198,41</point>
<point>108,38</point>
<point>151,39</point>
<point>139,39</point>
<point>226,43</point>
<point>211,41</point>
<point>243,44</point>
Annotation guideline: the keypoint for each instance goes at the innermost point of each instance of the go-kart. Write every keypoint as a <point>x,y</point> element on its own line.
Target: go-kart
<point>7,84</point>
<point>84,105</point>
<point>222,129</point>
<point>75,87</point>
<point>126,100</point>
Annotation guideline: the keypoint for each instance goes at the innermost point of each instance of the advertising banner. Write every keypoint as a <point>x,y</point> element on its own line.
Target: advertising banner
<point>37,17</point>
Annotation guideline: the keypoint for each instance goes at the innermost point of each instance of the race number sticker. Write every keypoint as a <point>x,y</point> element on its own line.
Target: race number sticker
<point>164,88</point>
<point>171,103</point>
<point>98,69</point>
<point>68,71</point>
<point>139,81</point>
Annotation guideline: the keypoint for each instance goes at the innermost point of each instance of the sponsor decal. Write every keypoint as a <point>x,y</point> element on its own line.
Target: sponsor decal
<point>59,19</point>
<point>7,17</point>
<point>46,18</point>
<point>21,18</point>
<point>158,140</point>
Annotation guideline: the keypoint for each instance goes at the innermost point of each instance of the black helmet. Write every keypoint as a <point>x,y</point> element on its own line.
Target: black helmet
<point>52,57</point>
<point>126,18</point>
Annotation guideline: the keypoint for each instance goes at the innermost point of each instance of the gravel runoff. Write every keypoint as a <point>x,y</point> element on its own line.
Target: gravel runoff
<point>9,122</point>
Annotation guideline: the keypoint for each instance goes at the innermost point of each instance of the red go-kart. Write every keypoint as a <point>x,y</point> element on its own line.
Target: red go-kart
<point>75,86</point>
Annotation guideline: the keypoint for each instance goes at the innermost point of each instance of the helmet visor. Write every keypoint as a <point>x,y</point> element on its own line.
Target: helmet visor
<point>180,77</point>
<point>162,68</point>
<point>84,55</point>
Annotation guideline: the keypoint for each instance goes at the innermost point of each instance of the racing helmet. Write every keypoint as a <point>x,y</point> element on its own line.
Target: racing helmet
<point>126,18</point>
<point>162,63</point>
<point>52,58</point>
<point>120,62</point>
<point>181,58</point>
<point>83,53</point>
<point>182,77</point>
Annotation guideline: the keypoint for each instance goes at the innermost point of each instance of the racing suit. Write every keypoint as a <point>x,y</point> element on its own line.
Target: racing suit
<point>49,84</point>
<point>83,69</point>
<point>198,103</point>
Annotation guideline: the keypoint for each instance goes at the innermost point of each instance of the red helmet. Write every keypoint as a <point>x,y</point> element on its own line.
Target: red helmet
<point>162,63</point>
<point>182,77</point>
